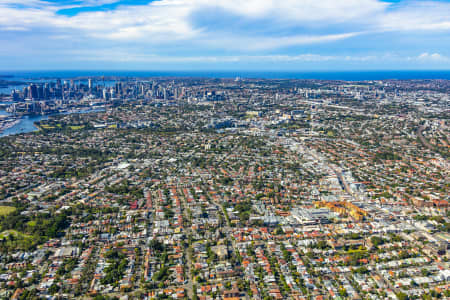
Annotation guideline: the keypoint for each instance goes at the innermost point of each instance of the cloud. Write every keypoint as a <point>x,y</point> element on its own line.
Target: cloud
<point>417,16</point>
<point>368,14</point>
<point>176,19</point>
<point>258,43</point>
<point>127,56</point>
<point>295,11</point>
<point>216,30</point>
<point>432,57</point>
<point>158,24</point>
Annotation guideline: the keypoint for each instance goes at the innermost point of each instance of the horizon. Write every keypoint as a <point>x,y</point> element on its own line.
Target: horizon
<point>226,70</point>
<point>344,75</point>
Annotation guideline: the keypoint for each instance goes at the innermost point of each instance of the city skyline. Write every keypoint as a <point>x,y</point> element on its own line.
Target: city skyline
<point>224,35</point>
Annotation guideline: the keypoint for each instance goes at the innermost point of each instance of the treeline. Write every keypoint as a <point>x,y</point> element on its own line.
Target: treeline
<point>48,225</point>
<point>69,172</point>
<point>26,232</point>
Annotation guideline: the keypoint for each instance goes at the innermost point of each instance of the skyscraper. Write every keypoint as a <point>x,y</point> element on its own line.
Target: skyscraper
<point>46,91</point>
<point>32,92</point>
<point>15,95</point>
<point>40,92</point>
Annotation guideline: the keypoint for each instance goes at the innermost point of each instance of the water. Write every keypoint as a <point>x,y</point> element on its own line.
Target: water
<point>25,125</point>
<point>321,75</point>
<point>44,77</point>
<point>9,89</point>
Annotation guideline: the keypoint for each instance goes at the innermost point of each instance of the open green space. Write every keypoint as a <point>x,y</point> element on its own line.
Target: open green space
<point>6,210</point>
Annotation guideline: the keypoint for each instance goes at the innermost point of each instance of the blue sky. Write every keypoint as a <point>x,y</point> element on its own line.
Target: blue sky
<point>290,35</point>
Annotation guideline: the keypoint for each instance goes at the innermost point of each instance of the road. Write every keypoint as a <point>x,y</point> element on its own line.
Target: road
<point>338,174</point>
<point>343,182</point>
<point>190,285</point>
<point>423,139</point>
<point>386,282</point>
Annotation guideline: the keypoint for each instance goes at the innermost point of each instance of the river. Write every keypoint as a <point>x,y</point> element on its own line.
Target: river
<point>25,125</point>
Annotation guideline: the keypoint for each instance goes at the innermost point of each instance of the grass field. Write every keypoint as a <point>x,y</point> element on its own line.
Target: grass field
<point>47,126</point>
<point>6,210</point>
<point>31,223</point>
<point>14,240</point>
<point>76,127</point>
<point>15,233</point>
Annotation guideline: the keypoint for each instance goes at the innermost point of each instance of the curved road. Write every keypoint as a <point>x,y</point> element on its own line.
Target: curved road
<point>423,139</point>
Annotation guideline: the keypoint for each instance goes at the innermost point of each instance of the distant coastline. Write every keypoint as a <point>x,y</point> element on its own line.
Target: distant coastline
<point>318,75</point>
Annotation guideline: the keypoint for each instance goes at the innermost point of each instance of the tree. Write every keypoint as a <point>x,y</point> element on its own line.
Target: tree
<point>53,289</point>
<point>376,241</point>
<point>402,296</point>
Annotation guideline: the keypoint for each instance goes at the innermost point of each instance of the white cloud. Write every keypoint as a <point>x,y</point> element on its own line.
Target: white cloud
<point>127,56</point>
<point>14,28</point>
<point>170,21</point>
<point>432,57</point>
<point>257,43</point>
<point>162,21</point>
<point>424,15</point>
<point>300,11</point>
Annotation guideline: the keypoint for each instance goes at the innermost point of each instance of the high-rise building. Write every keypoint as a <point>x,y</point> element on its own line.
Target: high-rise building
<point>46,91</point>
<point>32,92</point>
<point>105,94</point>
<point>119,88</point>
<point>15,95</point>
<point>40,92</point>
<point>90,84</point>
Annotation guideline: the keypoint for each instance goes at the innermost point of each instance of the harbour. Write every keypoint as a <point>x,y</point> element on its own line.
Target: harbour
<point>10,125</point>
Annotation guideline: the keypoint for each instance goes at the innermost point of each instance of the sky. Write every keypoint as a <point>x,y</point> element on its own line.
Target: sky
<point>273,35</point>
